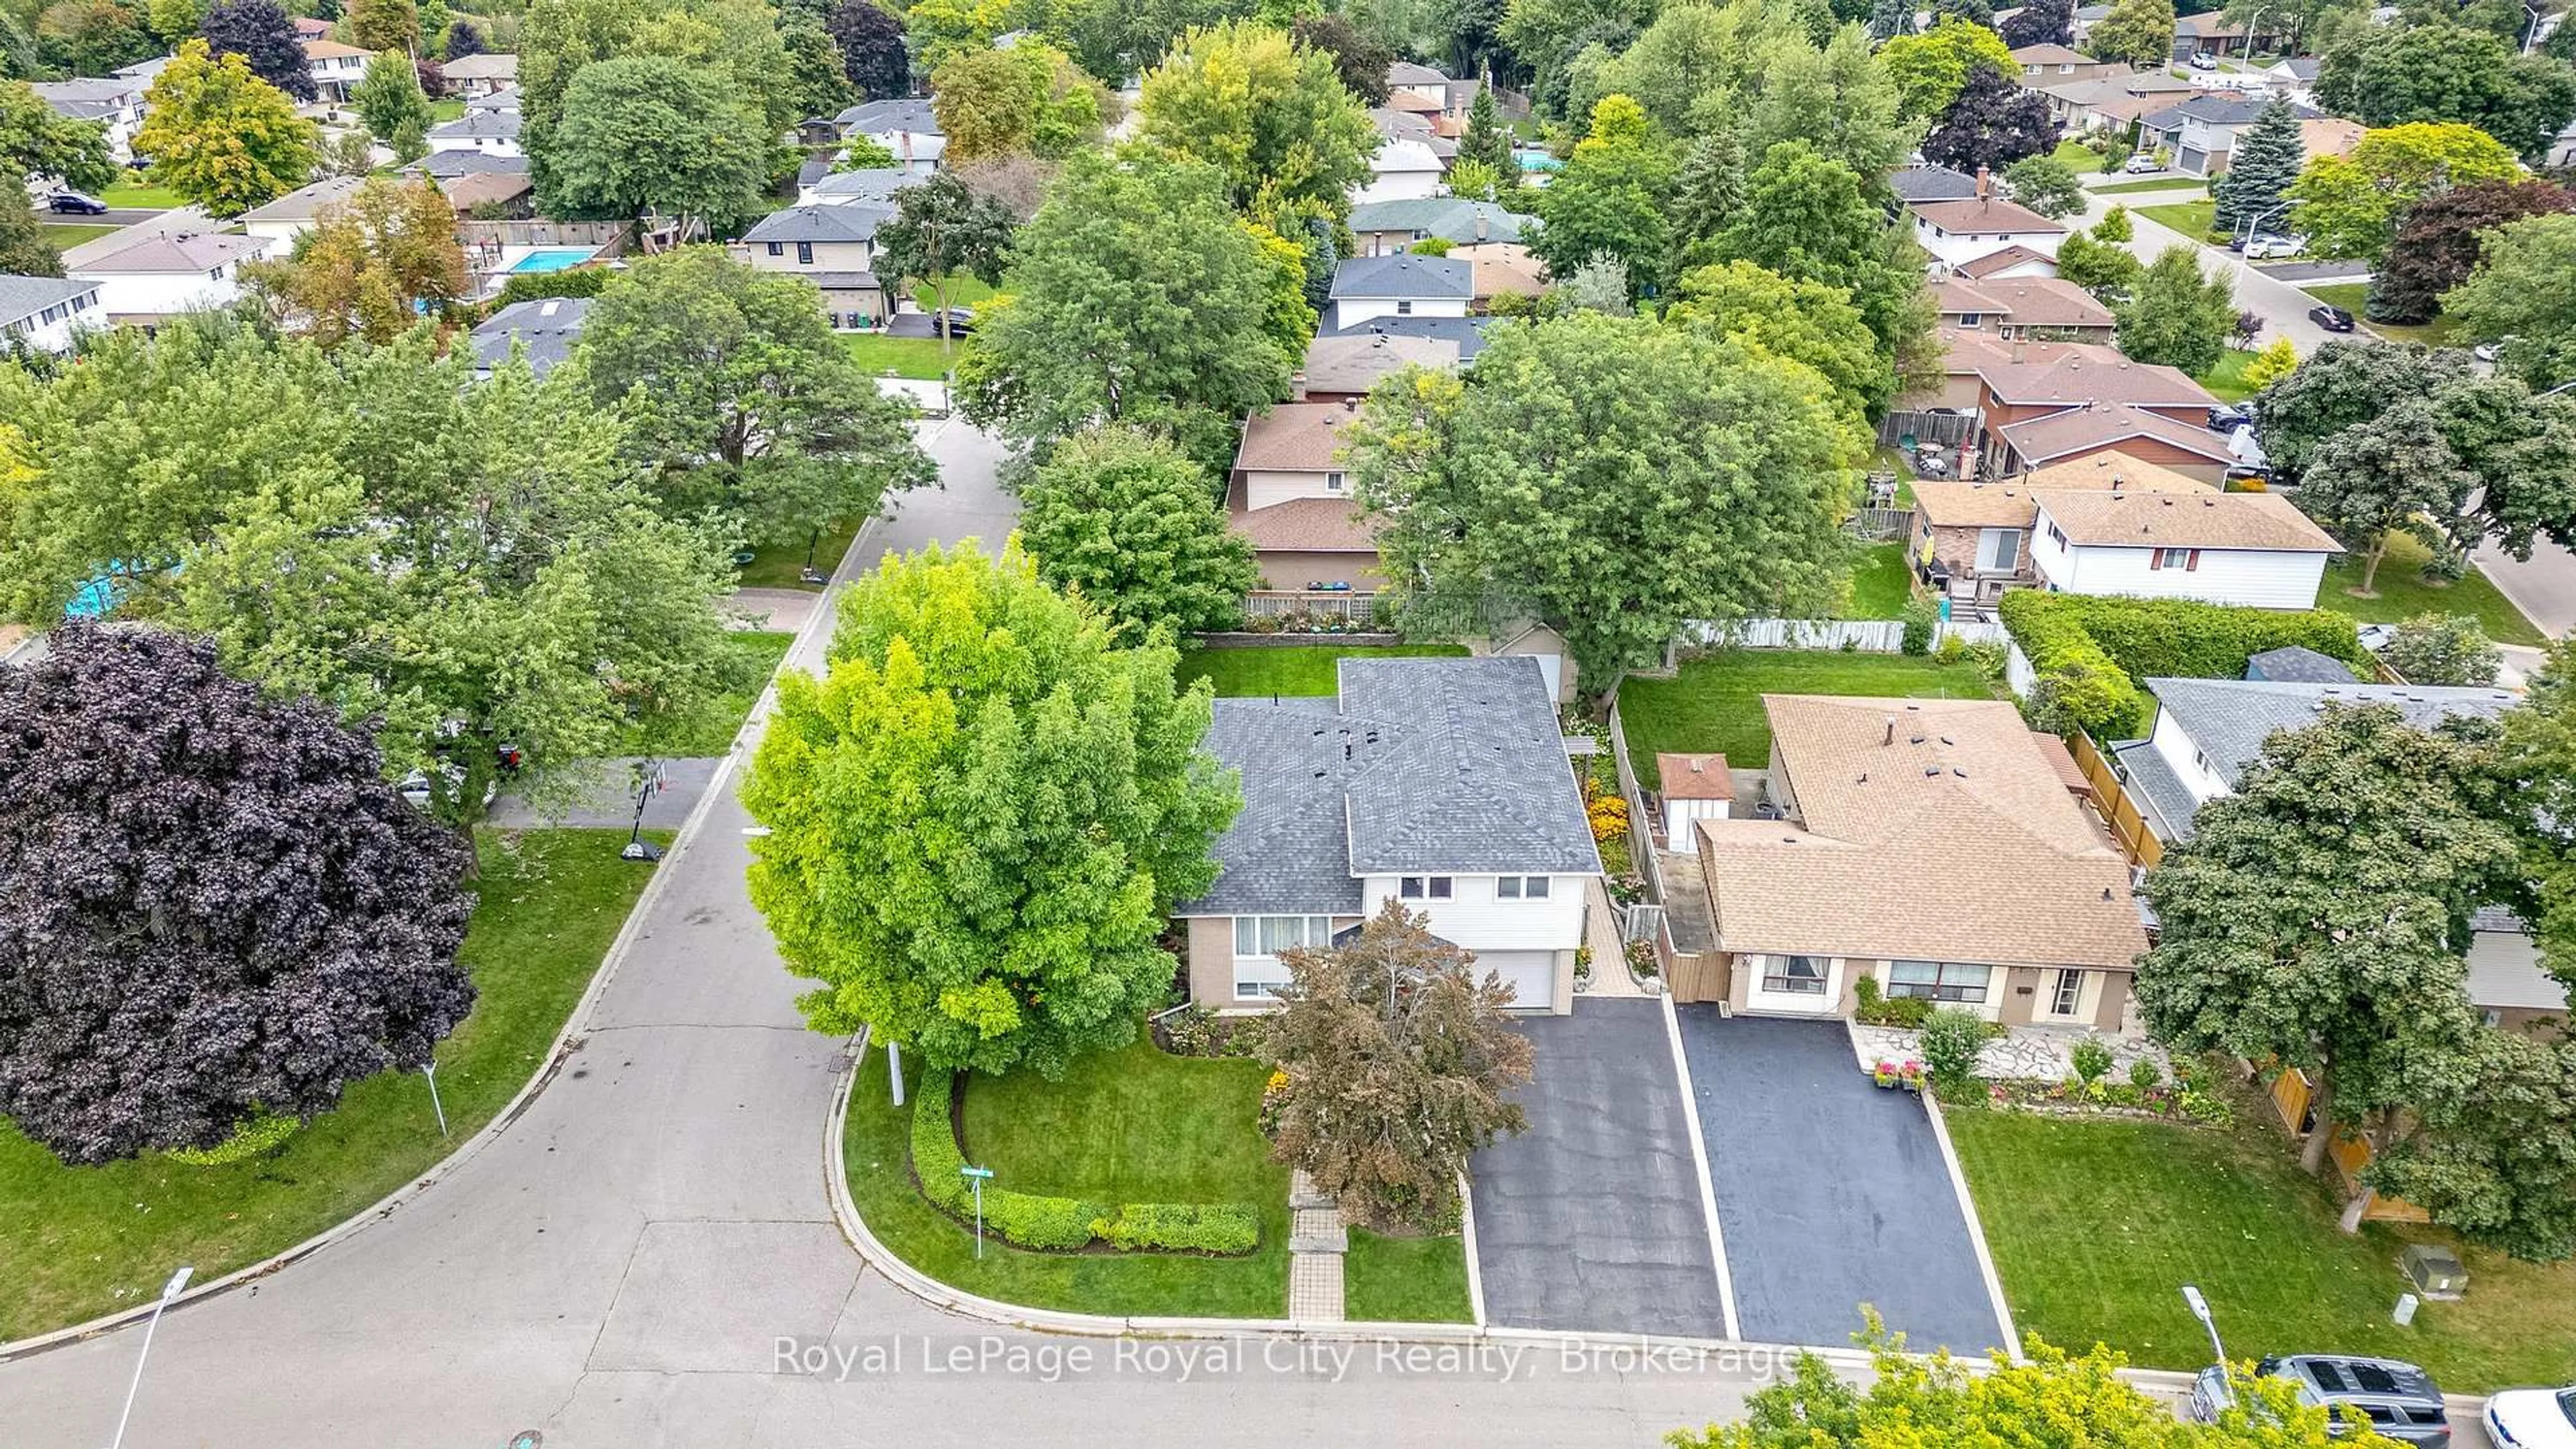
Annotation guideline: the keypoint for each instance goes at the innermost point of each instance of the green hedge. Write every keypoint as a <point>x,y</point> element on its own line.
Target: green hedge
<point>1061,1224</point>
<point>2090,653</point>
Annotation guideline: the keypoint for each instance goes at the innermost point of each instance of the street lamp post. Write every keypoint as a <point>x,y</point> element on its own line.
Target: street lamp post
<point>2200,1310</point>
<point>178,1284</point>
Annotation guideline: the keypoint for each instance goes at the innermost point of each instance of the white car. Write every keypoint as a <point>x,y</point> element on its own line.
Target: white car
<point>2267,247</point>
<point>2142,163</point>
<point>2532,1419</point>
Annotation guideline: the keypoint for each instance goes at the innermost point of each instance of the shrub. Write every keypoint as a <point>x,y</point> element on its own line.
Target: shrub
<point>1952,1037</point>
<point>570,282</point>
<point>1919,618</point>
<point>2090,1059</point>
<point>2143,1074</point>
<point>256,1135</point>
<point>1230,1227</point>
<point>2089,652</point>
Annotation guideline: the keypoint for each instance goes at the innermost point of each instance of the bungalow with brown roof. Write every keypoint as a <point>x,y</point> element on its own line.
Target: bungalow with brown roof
<point>2046,65</point>
<point>1290,496</point>
<point>1930,845</point>
<point>2022,307</point>
<point>1971,541</point>
<point>2253,550</point>
<point>1343,369</point>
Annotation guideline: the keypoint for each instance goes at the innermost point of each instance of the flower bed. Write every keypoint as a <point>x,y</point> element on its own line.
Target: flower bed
<point>2166,1102</point>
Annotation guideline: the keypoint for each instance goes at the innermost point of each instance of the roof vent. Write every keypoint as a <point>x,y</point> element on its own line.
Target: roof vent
<point>1931,772</point>
<point>2106,893</point>
<point>1918,739</point>
<point>1945,739</point>
<point>1955,770</point>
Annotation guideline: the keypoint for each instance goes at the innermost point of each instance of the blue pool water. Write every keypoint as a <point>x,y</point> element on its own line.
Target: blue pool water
<point>553,259</point>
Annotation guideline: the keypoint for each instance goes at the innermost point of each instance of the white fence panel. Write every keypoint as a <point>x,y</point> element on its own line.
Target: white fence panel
<point>1870,636</point>
<point>2017,670</point>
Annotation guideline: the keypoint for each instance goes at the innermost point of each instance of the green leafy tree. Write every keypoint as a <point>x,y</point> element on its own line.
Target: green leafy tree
<point>2522,295</point>
<point>1613,477</point>
<point>1807,217</point>
<point>2387,476</point>
<point>1398,1059</point>
<point>1029,97</point>
<point>1805,322</point>
<point>25,249</point>
<point>556,40</point>
<point>2341,386</point>
<point>1695,64</point>
<point>1838,100</point>
<point>34,142</point>
<point>2175,315</point>
<point>2489,1146</point>
<point>2535,767</point>
<point>652,137</point>
<point>2314,916</point>
<point>2394,75</point>
<point>2046,185</point>
<point>2098,261</point>
<point>1609,200</point>
<point>817,77</point>
<point>92,37</point>
<point>1359,58</point>
<point>2140,32</point>
<point>367,265</point>
<point>2265,166</point>
<point>385,25</point>
<point>2278,359</point>
<point>938,31</point>
<point>1929,69</point>
<point>872,48</point>
<point>1133,298</point>
<point>981,815</point>
<point>1488,140</point>
<point>174,20</point>
<point>2042,22</point>
<point>2443,649</point>
<point>736,44</point>
<point>2348,206</point>
<point>940,230</point>
<point>223,138</point>
<point>1272,117</point>
<point>389,101</point>
<point>1126,520</point>
<point>738,395</point>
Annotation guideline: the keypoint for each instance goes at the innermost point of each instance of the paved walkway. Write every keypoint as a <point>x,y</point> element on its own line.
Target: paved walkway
<point>1316,1242</point>
<point>785,610</point>
<point>1610,974</point>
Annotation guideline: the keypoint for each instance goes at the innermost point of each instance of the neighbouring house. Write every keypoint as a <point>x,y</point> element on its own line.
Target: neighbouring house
<point>1425,91</point>
<point>491,195</point>
<point>904,126</point>
<point>2212,33</point>
<point>1931,183</point>
<point>1439,783</point>
<point>446,166</point>
<point>309,27</point>
<point>2010,264</point>
<point>336,68</point>
<point>834,247</point>
<point>2330,136</point>
<point>47,313</point>
<point>163,276</point>
<point>294,214</point>
<point>500,98</point>
<point>2098,428</point>
<point>1971,541</point>
<point>2112,104</point>
<point>875,184</point>
<point>1467,334</point>
<point>1343,369</point>
<point>1938,847</point>
<point>1500,269</point>
<point>2201,132</point>
<point>1404,168</point>
<point>115,103</point>
<point>2255,550</point>
<point>2042,402</point>
<point>2043,65</point>
<point>1386,227</point>
<point>1397,123</point>
<point>492,132</point>
<point>1404,285</point>
<point>481,75</point>
<point>2507,982</point>
<point>1290,495</point>
<point>2040,308</point>
<point>2295,77</point>
<point>1959,232</point>
<point>547,328</point>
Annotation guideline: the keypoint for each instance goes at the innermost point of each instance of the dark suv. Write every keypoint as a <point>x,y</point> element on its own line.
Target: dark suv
<point>2398,1400</point>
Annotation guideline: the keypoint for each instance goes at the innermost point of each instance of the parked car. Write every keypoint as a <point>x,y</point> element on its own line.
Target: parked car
<point>2487,351</point>
<point>2143,163</point>
<point>415,786</point>
<point>961,320</point>
<point>2532,1419</point>
<point>2228,417</point>
<point>2333,319</point>
<point>2397,1400</point>
<point>73,203</point>
<point>2271,245</point>
<point>2203,60</point>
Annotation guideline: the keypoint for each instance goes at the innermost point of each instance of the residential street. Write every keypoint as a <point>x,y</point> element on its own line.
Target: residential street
<point>615,1269</point>
<point>2284,307</point>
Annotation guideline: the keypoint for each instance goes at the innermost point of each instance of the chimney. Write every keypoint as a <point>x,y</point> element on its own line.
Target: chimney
<point>2021,350</point>
<point>1480,226</point>
<point>1985,185</point>
<point>1297,386</point>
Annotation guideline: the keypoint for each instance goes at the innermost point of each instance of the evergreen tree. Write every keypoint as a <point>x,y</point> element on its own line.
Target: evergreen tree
<point>1487,139</point>
<point>1889,18</point>
<point>2041,22</point>
<point>2268,157</point>
<point>1709,194</point>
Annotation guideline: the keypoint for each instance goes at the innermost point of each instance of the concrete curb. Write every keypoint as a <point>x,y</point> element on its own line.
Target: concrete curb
<point>1976,1228</point>
<point>575,1027</point>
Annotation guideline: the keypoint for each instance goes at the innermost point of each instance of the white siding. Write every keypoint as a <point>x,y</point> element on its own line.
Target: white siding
<point>165,294</point>
<point>1957,248</point>
<point>1353,310</point>
<point>1679,816</point>
<point>2259,578</point>
<point>1264,487</point>
<point>1827,1002</point>
<point>1476,920</point>
<point>2183,756</point>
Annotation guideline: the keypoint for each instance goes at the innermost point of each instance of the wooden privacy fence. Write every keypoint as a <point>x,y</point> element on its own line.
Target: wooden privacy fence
<point>2290,1094</point>
<point>2112,800</point>
<point>1947,429</point>
<point>1356,608</point>
<point>1879,522</point>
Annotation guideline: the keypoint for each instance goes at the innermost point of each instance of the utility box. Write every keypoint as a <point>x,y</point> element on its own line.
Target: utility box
<point>2435,1271</point>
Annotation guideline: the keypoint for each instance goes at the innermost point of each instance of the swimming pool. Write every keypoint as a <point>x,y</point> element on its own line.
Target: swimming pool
<point>551,259</point>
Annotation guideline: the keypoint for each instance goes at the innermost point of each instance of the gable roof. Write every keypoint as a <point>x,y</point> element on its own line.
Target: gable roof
<point>476,187</point>
<point>479,125</point>
<point>1884,788</point>
<point>1408,73</point>
<point>1304,525</point>
<point>854,221</point>
<point>548,327</point>
<point>324,49</point>
<point>306,202</point>
<point>2297,664</point>
<point>2074,374</point>
<point>2004,260</point>
<point>2081,430</point>
<point>489,65</point>
<point>901,113</point>
<point>25,297</point>
<point>873,183</point>
<point>2112,468</point>
<point>1949,503</point>
<point>1293,438</point>
<point>444,164</point>
<point>2213,108</point>
<point>1932,183</point>
<point>1403,275</point>
<point>1454,218</point>
<point>1994,214</point>
<point>2261,522</point>
<point>183,252</point>
<point>1416,766</point>
<point>2051,54</point>
<point>2229,719</point>
<point>1355,364</point>
<point>2028,301</point>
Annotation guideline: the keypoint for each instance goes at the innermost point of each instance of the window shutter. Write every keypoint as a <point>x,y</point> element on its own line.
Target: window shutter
<point>2155,558</point>
<point>2192,562</point>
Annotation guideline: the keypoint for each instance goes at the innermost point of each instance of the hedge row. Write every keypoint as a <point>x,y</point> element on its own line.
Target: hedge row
<point>1062,1224</point>
<point>2089,653</point>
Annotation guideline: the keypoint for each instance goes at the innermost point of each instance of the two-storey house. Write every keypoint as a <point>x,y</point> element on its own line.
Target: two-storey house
<point>1403,285</point>
<point>834,247</point>
<point>336,69</point>
<point>48,313</point>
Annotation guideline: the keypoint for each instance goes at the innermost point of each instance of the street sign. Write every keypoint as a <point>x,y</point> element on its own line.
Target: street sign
<point>976,1171</point>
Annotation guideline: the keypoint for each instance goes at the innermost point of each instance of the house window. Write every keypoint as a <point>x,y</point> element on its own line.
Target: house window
<point>1270,935</point>
<point>1425,887</point>
<point>1332,482</point>
<point>778,249</point>
<point>1404,308</point>
<point>2070,990</point>
<point>804,254</point>
<point>1972,319</point>
<point>1938,980</point>
<point>2175,558</point>
<point>2056,537</point>
<point>1520,888</point>
<point>1794,975</point>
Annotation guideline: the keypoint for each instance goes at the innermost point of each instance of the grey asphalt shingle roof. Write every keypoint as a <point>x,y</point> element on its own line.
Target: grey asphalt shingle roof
<point>874,183</point>
<point>1404,275</point>
<point>1932,183</point>
<point>2297,664</point>
<point>1419,766</point>
<point>548,327</point>
<point>901,114</point>
<point>446,164</point>
<point>851,222</point>
<point>24,297</point>
<point>2218,110</point>
<point>2170,803</point>
<point>1450,217</point>
<point>1467,332</point>
<point>2229,719</point>
<point>479,125</point>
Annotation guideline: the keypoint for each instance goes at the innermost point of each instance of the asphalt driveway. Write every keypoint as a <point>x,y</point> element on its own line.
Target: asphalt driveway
<point>1593,1219</point>
<point>1831,1193</point>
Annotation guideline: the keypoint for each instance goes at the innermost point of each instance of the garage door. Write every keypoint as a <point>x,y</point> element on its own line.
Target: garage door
<point>1530,974</point>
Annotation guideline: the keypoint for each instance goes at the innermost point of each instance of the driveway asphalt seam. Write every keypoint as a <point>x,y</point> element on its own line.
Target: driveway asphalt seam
<point>1707,1181</point>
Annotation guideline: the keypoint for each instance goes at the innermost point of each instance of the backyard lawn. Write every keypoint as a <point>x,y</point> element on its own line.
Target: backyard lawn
<point>963,291</point>
<point>1134,1125</point>
<point>1291,669</point>
<point>1716,703</point>
<point>79,1242</point>
<point>2096,1225</point>
<point>2403,594</point>
<point>1406,1280</point>
<point>711,730</point>
<point>777,565</point>
<point>913,357</point>
<point>2351,296</point>
<point>2191,218</point>
<point>1880,584</point>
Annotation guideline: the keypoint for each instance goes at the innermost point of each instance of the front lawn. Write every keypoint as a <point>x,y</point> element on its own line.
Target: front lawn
<point>2169,181</point>
<point>2403,594</point>
<point>1292,669</point>
<point>2192,218</point>
<point>1133,1125</point>
<point>66,235</point>
<point>711,730</point>
<point>1406,1280</point>
<point>2076,156</point>
<point>2351,296</point>
<point>781,565</point>
<point>140,197</point>
<point>79,1242</point>
<point>1880,583</point>
<point>2096,1225</point>
<point>2226,381</point>
<point>877,354</point>
<point>1716,703</point>
<point>963,291</point>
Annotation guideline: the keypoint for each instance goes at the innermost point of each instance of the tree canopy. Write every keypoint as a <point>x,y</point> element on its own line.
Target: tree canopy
<point>649,136</point>
<point>262,35</point>
<point>2175,315</point>
<point>2140,32</point>
<point>389,100</point>
<point>2522,295</point>
<point>2265,165</point>
<point>1809,218</point>
<point>1272,116</point>
<point>215,910</point>
<point>1609,200</point>
<point>1805,322</point>
<point>1930,69</point>
<point>872,50</point>
<point>1129,522</point>
<point>941,228</point>
<point>365,265</point>
<point>1027,97</point>
<point>2443,237</point>
<point>221,137</point>
<point>2397,74</point>
<point>35,142</point>
<point>981,816</point>
<point>2349,205</point>
<point>1993,122</point>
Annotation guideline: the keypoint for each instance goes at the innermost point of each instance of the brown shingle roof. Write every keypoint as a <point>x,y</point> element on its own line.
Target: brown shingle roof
<point>2111,469</point>
<point>2031,301</point>
<point>2082,430</point>
<point>2045,54</point>
<point>1964,846</point>
<point>1996,261</point>
<point>1307,525</point>
<point>1948,504</point>
<point>1695,777</point>
<point>1990,215</point>
<point>1354,364</point>
<point>1293,438</point>
<point>2072,373</point>
<point>2164,520</point>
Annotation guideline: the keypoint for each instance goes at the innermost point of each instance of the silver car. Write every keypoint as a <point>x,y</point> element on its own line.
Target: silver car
<point>2397,1400</point>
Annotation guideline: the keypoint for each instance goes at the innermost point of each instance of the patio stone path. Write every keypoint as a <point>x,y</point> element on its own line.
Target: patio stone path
<point>1316,1242</point>
<point>2023,1053</point>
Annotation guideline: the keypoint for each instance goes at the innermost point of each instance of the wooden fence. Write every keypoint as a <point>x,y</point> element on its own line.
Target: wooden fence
<point>2290,1093</point>
<point>2111,799</point>
<point>1950,430</point>
<point>1355,608</point>
<point>1879,522</point>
